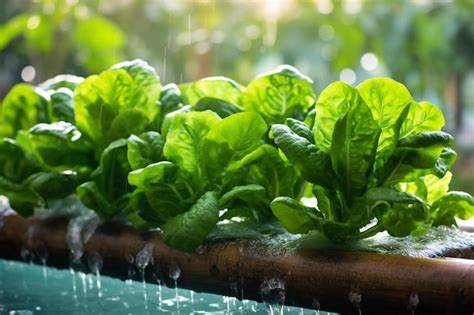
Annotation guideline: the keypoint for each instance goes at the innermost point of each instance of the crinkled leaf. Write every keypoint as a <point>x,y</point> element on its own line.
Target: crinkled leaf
<point>15,163</point>
<point>51,186</point>
<point>92,198</point>
<point>417,155</point>
<point>333,103</point>
<point>165,126</point>
<point>62,105</point>
<point>422,117</point>
<point>21,199</point>
<point>187,231</point>
<point>453,204</point>
<point>128,89</point>
<point>231,139</point>
<point>23,107</point>
<point>314,165</point>
<point>185,138</point>
<point>250,192</point>
<point>170,101</point>
<point>398,212</point>
<point>144,149</point>
<point>159,203</point>
<point>300,128</point>
<point>387,100</point>
<point>58,146</point>
<point>221,107</point>
<point>280,94</point>
<point>354,145</point>
<point>216,87</point>
<point>112,173</point>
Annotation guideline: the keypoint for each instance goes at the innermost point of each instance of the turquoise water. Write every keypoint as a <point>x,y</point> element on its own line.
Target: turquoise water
<point>27,289</point>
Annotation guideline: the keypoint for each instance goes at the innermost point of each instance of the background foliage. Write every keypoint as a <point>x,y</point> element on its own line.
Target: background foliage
<point>427,45</point>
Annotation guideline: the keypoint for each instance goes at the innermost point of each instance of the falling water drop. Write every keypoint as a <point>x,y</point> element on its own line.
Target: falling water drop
<point>27,255</point>
<point>355,297</point>
<point>74,285</point>
<point>142,259</point>
<point>189,29</point>
<point>130,269</point>
<point>316,306</point>
<point>95,263</point>
<point>174,274</point>
<point>273,294</point>
<point>159,292</point>
<point>84,287</point>
<point>413,303</point>
<point>164,66</point>
<point>42,253</point>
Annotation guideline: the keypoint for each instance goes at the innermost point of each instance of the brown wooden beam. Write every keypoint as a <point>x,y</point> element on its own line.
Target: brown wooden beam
<point>336,280</point>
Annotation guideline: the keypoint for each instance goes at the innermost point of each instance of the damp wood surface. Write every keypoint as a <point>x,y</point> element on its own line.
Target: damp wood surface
<point>338,281</point>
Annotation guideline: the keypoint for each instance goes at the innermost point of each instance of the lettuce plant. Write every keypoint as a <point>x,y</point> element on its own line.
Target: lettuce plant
<point>183,158</point>
<point>211,164</point>
<point>377,161</point>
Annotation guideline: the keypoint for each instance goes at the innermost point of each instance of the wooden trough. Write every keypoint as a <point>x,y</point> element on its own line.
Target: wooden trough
<point>338,281</point>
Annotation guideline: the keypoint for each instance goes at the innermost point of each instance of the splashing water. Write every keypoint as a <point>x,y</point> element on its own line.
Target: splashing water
<point>273,294</point>
<point>95,263</point>
<point>118,298</point>
<point>317,306</point>
<point>27,255</point>
<point>174,274</point>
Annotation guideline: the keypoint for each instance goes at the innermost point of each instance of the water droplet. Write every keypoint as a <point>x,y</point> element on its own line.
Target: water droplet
<point>95,262</point>
<point>42,254</point>
<point>413,301</point>
<point>316,306</point>
<point>201,249</point>
<point>27,255</point>
<point>273,294</point>
<point>174,272</point>
<point>144,257</point>
<point>355,297</point>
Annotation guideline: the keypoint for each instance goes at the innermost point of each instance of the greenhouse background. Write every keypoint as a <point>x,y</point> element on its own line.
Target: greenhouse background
<point>426,44</point>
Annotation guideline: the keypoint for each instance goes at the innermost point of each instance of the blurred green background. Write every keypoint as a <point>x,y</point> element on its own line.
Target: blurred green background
<point>426,44</point>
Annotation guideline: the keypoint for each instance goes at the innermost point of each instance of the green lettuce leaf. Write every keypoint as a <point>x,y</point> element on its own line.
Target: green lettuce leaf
<point>354,145</point>
<point>23,107</point>
<point>188,230</point>
<point>117,103</point>
<point>279,94</point>
<point>221,88</point>
<point>144,149</point>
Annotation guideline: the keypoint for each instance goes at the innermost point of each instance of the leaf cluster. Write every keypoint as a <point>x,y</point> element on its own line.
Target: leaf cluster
<point>185,158</point>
